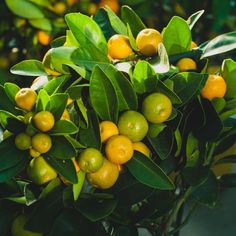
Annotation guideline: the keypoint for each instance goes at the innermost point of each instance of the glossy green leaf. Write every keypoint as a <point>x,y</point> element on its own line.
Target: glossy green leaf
<point>43,101</point>
<point>5,116</point>
<point>25,9</point>
<point>75,91</point>
<point>194,18</point>
<point>103,96</point>
<point>149,173</point>
<point>41,23</point>
<point>77,188</point>
<point>63,127</point>
<point>132,39</point>
<point>11,90</point>
<point>54,85</point>
<point>29,68</point>
<point>177,36</point>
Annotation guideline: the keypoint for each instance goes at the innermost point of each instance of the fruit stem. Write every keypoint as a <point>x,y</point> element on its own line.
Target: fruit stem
<point>210,154</point>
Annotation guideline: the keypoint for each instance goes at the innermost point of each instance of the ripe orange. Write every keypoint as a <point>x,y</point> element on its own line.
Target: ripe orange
<point>41,143</point>
<point>186,64</point>
<point>26,98</point>
<point>107,129</point>
<point>142,147</point>
<point>133,125</point>
<point>43,37</point>
<point>106,176</point>
<point>193,45</point>
<point>113,4</point>
<point>119,149</point>
<point>90,160</point>
<point>40,172</point>
<point>215,87</point>
<point>65,115</point>
<point>23,141</point>
<point>44,120</point>
<point>119,47</point>
<point>157,108</point>
<point>147,41</point>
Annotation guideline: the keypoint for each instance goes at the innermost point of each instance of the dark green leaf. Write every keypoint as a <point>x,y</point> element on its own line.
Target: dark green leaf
<point>54,85</point>
<point>63,127</point>
<point>148,173</point>
<point>228,181</point>
<point>227,159</point>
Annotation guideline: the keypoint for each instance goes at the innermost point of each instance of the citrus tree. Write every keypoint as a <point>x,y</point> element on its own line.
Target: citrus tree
<point>121,126</point>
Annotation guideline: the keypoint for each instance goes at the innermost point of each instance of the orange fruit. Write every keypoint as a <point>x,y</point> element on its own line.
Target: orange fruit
<point>107,130</point>
<point>133,125</point>
<point>147,41</point>
<point>90,160</point>
<point>44,120</point>
<point>40,172</point>
<point>157,108</point>
<point>41,143</point>
<point>186,64</point>
<point>113,4</point>
<point>26,98</point>
<point>59,8</point>
<point>119,47</point>
<point>119,149</point>
<point>65,115</point>
<point>215,87</point>
<point>43,37</point>
<point>106,176</point>
<point>76,165</point>
<point>33,153</point>
<point>92,8</point>
<point>142,147</point>
<point>23,141</point>
<point>193,45</point>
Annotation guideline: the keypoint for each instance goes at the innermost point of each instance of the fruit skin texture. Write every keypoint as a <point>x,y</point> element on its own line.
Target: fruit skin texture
<point>44,120</point>
<point>23,141</point>
<point>17,227</point>
<point>41,143</point>
<point>43,38</point>
<point>147,41</point>
<point>157,108</point>
<point>133,125</point>
<point>90,160</point>
<point>142,147</point>
<point>186,64</point>
<point>106,176</point>
<point>40,172</point>
<point>119,149</point>
<point>215,87</point>
<point>26,98</point>
<point>119,47</point>
<point>107,130</point>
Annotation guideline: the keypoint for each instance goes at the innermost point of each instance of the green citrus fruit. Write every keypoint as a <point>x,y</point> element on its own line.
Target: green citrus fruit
<point>41,143</point>
<point>23,141</point>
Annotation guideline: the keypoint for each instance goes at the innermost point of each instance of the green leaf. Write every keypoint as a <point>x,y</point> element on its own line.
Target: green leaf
<point>128,16</point>
<point>228,71</point>
<point>188,85</point>
<point>41,23</point>
<point>54,85</point>
<point>59,42</point>
<point>50,187</point>
<point>25,9</point>
<point>148,173</point>
<point>28,68</point>
<point>144,77</point>
<point>104,207</point>
<point>15,125</point>
<point>43,101</point>
<point>5,116</point>
<point>61,148</point>
<point>126,96</point>
<point>11,90</point>
<point>64,167</point>
<point>132,39</point>
<point>177,36</point>
<point>192,150</point>
<point>75,91</point>
<point>220,44</point>
<point>194,18</point>
<point>103,96</point>
<point>71,40</point>
<point>228,181</point>
<point>90,136</point>
<point>62,127</point>
<point>116,23</point>
<point>87,32</point>
<point>77,188</point>
<point>58,103</point>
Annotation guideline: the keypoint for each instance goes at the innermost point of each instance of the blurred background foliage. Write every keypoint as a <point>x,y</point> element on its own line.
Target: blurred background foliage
<point>28,26</point>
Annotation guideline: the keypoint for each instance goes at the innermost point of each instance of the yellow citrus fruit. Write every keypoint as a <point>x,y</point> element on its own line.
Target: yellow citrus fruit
<point>65,115</point>
<point>59,8</point>
<point>193,45</point>
<point>222,169</point>
<point>44,120</point>
<point>26,98</point>
<point>119,149</point>
<point>186,64</point>
<point>40,172</point>
<point>133,125</point>
<point>157,108</point>
<point>41,143</point>
<point>142,147</point>
<point>92,8</point>
<point>23,141</point>
<point>90,160</point>
<point>106,176</point>
<point>17,227</point>
<point>33,153</point>
<point>76,165</point>
<point>113,4</point>
<point>119,47</point>
<point>147,41</point>
<point>215,87</point>
<point>43,37</point>
<point>107,130</point>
